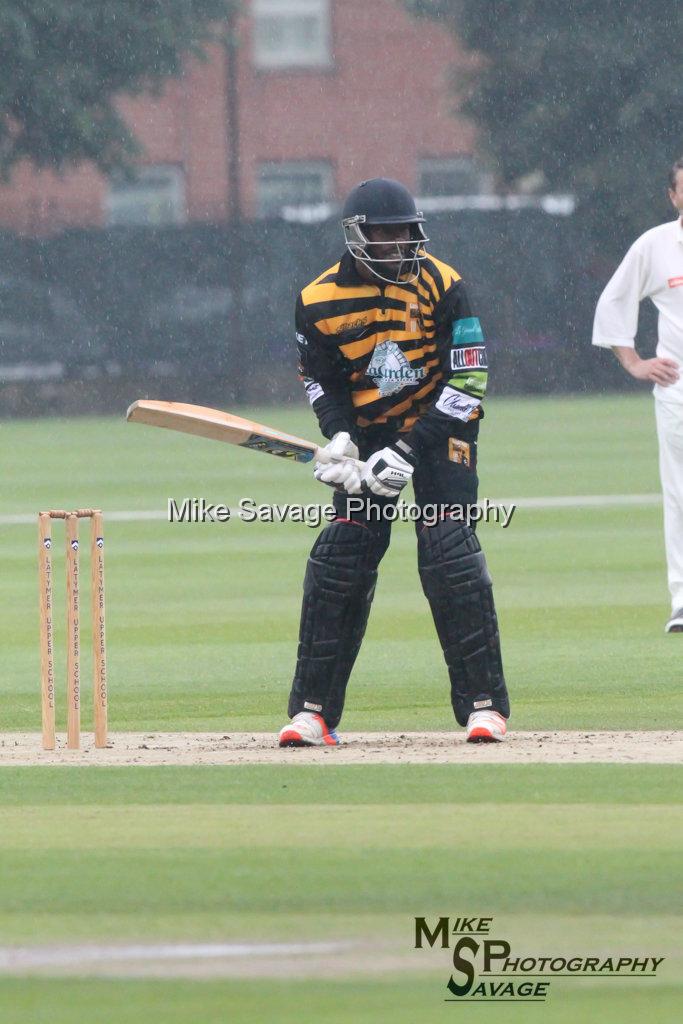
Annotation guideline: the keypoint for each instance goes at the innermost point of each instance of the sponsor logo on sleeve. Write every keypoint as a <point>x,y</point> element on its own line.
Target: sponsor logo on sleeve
<point>468,331</point>
<point>313,390</point>
<point>472,357</point>
<point>454,403</point>
<point>676,282</point>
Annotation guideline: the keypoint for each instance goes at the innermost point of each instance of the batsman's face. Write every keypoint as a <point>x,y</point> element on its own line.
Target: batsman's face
<point>676,194</point>
<point>385,237</point>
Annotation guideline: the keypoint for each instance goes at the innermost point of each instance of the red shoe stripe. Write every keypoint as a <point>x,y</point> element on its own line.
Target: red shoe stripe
<point>481,733</point>
<point>291,736</point>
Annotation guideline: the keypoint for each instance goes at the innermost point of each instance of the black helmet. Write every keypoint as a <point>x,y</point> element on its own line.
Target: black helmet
<point>381,201</point>
<point>384,201</point>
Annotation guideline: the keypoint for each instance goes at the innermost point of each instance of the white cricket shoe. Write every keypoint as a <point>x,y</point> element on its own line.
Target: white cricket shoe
<point>307,730</point>
<point>485,727</point>
<point>675,623</point>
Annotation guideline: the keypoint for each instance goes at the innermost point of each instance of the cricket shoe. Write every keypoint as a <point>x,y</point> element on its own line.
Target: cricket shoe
<point>675,623</point>
<point>485,727</point>
<point>308,730</point>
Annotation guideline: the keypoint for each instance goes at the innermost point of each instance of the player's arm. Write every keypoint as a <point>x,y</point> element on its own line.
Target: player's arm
<point>657,370</point>
<point>464,364</point>
<point>616,320</point>
<point>460,345</point>
<point>323,376</point>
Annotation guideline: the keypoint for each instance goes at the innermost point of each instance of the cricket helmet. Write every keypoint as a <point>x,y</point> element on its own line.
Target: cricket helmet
<point>383,201</point>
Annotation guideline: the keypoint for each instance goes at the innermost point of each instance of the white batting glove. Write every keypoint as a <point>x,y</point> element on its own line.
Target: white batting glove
<point>340,473</point>
<point>386,473</point>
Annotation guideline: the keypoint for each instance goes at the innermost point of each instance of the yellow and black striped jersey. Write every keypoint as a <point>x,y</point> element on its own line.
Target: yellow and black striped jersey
<point>390,354</point>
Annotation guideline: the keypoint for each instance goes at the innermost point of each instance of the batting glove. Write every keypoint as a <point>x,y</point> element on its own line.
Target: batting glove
<point>386,473</point>
<point>340,473</point>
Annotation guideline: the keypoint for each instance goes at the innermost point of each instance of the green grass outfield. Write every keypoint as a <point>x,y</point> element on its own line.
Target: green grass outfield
<point>202,619</point>
<point>201,625</point>
<point>578,860</point>
<point>395,1002</point>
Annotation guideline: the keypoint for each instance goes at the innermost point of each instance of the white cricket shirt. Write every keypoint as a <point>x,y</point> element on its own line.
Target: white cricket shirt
<point>651,269</point>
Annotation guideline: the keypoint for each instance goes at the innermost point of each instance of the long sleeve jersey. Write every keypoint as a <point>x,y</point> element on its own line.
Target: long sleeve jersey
<point>409,355</point>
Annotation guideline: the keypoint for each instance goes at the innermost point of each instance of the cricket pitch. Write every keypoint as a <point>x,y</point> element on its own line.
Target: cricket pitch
<point>236,748</point>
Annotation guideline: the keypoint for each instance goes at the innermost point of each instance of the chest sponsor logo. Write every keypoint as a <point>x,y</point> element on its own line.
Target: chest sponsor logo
<point>390,371</point>
<point>472,357</point>
<point>676,282</point>
<point>353,325</point>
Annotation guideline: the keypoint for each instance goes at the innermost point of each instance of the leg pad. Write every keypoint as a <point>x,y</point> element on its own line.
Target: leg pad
<point>457,584</point>
<point>339,586</point>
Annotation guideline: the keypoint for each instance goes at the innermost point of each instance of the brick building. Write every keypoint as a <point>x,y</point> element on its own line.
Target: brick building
<point>327,92</point>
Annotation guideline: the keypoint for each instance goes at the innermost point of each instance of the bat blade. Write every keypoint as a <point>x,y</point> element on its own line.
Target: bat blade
<point>222,426</point>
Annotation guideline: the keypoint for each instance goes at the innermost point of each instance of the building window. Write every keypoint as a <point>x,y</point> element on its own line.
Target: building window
<point>154,196</point>
<point>291,33</point>
<point>451,176</point>
<point>292,183</point>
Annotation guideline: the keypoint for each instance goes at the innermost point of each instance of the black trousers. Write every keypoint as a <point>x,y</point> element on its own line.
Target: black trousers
<point>342,571</point>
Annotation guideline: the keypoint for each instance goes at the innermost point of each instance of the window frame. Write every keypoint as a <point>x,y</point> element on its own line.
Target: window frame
<point>305,59</point>
<point>288,172</point>
<point>175,198</point>
<point>465,162</point>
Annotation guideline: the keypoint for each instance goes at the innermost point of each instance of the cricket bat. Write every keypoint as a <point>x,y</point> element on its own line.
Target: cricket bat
<point>223,426</point>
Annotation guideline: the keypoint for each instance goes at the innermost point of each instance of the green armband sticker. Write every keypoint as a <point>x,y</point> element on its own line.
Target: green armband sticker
<point>472,384</point>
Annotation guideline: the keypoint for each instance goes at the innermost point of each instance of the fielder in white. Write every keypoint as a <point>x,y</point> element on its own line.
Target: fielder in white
<point>653,268</point>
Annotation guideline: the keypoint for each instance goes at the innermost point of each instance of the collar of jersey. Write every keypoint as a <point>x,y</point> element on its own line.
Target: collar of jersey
<point>347,275</point>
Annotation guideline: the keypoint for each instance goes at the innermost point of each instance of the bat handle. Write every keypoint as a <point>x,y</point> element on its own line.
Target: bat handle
<point>321,455</point>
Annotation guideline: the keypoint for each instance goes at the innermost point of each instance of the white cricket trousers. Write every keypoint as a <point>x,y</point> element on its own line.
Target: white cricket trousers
<point>670,433</point>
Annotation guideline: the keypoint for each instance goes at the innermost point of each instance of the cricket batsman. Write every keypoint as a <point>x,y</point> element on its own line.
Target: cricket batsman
<point>653,268</point>
<point>393,361</point>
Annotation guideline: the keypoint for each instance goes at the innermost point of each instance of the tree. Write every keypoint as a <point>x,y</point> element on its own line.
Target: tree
<point>588,93</point>
<point>62,63</point>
